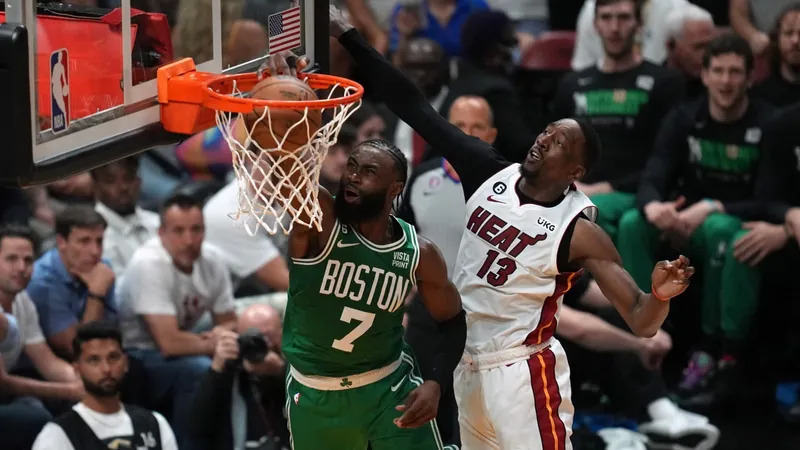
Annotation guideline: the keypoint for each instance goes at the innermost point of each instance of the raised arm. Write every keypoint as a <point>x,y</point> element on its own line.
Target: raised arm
<point>470,156</point>
<point>644,313</point>
<point>443,302</point>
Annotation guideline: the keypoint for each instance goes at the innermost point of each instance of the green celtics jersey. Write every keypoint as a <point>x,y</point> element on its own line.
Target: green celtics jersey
<point>345,309</point>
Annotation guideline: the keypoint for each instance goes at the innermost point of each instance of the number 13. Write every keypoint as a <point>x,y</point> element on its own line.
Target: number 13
<point>500,276</point>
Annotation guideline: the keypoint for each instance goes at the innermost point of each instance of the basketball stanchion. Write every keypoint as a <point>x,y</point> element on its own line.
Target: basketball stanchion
<point>279,130</point>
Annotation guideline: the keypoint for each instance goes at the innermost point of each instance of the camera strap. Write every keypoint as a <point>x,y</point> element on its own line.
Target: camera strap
<point>257,398</point>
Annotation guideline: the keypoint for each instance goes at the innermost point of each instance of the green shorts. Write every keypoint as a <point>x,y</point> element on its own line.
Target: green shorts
<point>351,418</point>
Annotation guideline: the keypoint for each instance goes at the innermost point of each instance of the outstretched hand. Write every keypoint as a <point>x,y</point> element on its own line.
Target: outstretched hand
<point>339,23</point>
<point>420,407</point>
<point>671,278</point>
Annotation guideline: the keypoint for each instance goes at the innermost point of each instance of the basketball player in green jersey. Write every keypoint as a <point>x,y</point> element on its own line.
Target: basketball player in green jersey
<point>352,379</point>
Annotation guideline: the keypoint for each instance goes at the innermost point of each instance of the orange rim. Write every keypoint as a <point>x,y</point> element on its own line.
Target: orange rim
<point>220,97</point>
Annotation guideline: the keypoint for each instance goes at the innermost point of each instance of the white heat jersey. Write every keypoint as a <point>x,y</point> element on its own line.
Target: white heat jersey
<point>507,270</point>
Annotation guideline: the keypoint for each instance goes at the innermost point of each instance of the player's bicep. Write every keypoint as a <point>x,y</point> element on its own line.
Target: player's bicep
<point>593,250</point>
<point>438,293</point>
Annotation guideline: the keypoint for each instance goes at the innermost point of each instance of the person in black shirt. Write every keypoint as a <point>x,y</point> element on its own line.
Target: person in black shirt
<point>777,191</point>
<point>772,242</point>
<point>561,155</point>
<point>706,157</point>
<point>625,98</point>
<point>782,87</point>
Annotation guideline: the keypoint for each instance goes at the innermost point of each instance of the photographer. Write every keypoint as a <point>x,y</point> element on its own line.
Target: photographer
<point>240,400</point>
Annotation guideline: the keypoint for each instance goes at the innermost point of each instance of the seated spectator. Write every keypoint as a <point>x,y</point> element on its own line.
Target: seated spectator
<point>9,332</point>
<point>488,44</point>
<point>632,378</point>
<point>225,413</point>
<point>440,20</point>
<point>170,283</point>
<point>128,226</point>
<point>423,60</point>
<point>782,87</point>
<point>689,31</point>
<point>625,98</point>
<point>706,157</point>
<point>22,412</point>
<point>653,39</point>
<point>258,258</point>
<point>71,284</point>
<point>773,241</point>
<point>100,420</point>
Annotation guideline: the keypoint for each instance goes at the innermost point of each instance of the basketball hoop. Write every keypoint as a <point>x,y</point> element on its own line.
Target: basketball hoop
<point>278,184</point>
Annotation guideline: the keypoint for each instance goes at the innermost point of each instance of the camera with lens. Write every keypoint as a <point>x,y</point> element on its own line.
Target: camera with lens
<point>253,346</point>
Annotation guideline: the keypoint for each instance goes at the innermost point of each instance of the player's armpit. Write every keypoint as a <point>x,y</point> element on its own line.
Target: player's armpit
<point>439,294</point>
<point>593,250</point>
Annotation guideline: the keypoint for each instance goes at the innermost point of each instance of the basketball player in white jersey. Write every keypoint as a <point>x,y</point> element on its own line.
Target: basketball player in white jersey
<point>529,233</point>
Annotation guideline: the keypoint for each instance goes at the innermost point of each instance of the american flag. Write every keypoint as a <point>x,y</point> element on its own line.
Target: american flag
<point>284,30</point>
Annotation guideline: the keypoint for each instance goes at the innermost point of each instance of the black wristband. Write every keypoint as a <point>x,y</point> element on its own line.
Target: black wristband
<point>451,336</point>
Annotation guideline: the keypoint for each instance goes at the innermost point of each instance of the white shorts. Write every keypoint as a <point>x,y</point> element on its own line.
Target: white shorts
<point>517,399</point>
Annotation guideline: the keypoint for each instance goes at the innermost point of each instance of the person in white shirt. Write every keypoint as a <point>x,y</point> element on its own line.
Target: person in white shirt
<point>101,420</point>
<point>259,256</point>
<point>22,413</point>
<point>116,190</point>
<point>653,42</point>
<point>170,283</point>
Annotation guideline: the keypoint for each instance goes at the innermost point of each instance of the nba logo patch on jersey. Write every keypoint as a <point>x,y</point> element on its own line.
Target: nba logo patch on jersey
<point>59,90</point>
<point>297,398</point>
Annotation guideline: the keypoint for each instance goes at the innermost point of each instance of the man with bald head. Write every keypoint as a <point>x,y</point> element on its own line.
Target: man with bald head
<point>423,61</point>
<point>234,386</point>
<point>434,200</point>
<point>689,31</point>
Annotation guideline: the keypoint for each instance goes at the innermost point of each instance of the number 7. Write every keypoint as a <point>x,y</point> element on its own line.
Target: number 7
<point>345,344</point>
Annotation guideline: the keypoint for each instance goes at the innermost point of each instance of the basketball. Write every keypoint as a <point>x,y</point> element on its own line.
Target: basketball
<point>279,121</point>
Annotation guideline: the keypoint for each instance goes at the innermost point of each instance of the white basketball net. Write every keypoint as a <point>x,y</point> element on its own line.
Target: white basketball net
<point>279,188</point>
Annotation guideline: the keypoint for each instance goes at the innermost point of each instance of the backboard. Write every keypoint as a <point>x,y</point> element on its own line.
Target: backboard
<point>80,82</point>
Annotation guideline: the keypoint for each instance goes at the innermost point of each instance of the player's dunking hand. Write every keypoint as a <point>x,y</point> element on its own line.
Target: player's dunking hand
<point>671,278</point>
<point>338,22</point>
<point>420,407</point>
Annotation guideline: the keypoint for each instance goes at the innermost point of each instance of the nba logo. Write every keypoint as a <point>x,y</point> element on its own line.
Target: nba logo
<point>59,90</point>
